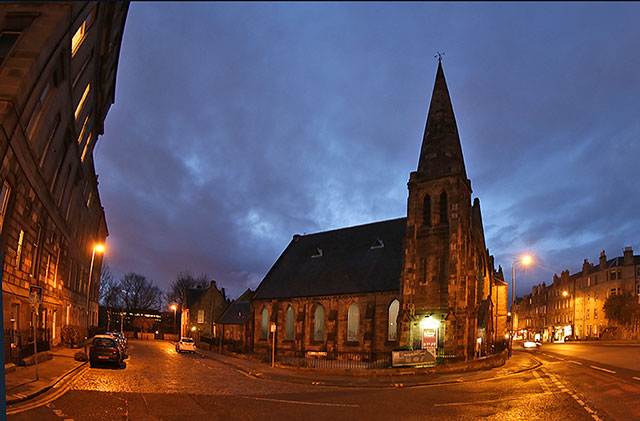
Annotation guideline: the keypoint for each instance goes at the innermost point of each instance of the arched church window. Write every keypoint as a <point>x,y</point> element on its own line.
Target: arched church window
<point>392,330</point>
<point>318,324</point>
<point>353,323</point>
<point>289,326</point>
<point>444,211</point>
<point>426,211</point>
<point>264,324</point>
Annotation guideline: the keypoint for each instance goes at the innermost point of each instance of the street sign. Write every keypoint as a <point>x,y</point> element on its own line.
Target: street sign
<point>35,295</point>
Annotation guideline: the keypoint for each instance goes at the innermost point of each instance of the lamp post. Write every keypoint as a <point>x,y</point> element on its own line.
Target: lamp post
<point>525,260</point>
<point>174,308</point>
<point>99,248</point>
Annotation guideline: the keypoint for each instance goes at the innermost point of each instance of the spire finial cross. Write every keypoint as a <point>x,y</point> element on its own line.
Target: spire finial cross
<point>439,56</point>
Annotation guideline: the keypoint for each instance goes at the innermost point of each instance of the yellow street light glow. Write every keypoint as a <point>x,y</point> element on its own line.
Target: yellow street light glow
<point>193,329</point>
<point>565,293</point>
<point>99,248</point>
<point>429,323</point>
<point>526,260</point>
<point>173,307</point>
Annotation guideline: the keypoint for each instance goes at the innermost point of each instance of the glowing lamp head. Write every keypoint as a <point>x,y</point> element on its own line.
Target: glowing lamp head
<point>429,323</point>
<point>99,248</point>
<point>565,293</point>
<point>193,329</point>
<point>526,260</point>
<point>173,307</point>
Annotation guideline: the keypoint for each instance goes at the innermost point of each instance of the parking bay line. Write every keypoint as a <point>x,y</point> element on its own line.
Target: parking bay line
<point>347,405</point>
<point>602,369</point>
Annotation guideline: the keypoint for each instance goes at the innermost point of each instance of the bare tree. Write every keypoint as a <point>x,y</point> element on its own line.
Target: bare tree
<point>110,291</point>
<point>184,281</point>
<point>138,293</point>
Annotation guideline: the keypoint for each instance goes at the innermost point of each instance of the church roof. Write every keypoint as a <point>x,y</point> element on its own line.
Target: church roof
<point>360,259</point>
<point>237,313</point>
<point>441,152</point>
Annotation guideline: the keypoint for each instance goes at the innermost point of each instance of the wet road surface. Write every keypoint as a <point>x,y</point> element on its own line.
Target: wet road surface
<point>159,384</point>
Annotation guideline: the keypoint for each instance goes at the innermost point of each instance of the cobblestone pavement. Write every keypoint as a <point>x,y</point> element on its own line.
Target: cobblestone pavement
<point>164,370</point>
<point>159,384</point>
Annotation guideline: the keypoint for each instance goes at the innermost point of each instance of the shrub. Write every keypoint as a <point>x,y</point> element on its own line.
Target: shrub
<point>70,336</point>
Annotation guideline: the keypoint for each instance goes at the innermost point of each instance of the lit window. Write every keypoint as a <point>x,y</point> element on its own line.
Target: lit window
<point>85,94</point>
<point>19,249</point>
<point>84,126</point>
<point>392,332</point>
<point>81,33</point>
<point>353,322</point>
<point>289,325</point>
<point>200,316</point>
<point>264,324</point>
<point>4,201</point>
<point>86,147</point>
<point>318,324</point>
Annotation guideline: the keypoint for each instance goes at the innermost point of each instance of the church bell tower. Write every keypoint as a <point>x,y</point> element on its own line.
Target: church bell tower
<point>438,285</point>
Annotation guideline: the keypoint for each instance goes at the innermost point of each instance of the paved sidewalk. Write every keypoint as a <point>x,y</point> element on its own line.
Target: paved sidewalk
<point>519,362</point>
<point>21,384</point>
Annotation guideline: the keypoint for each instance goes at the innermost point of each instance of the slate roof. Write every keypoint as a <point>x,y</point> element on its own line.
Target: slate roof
<point>345,262</point>
<point>236,314</point>
<point>194,294</point>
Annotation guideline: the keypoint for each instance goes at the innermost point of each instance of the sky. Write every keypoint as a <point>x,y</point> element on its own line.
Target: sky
<point>237,125</point>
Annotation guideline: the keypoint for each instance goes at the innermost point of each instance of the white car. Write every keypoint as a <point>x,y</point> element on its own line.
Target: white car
<point>186,344</point>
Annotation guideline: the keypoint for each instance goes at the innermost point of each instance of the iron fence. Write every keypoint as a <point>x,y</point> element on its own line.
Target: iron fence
<point>18,344</point>
<point>338,359</point>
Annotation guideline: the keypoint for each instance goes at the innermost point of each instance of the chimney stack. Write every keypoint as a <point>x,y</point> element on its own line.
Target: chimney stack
<point>628,256</point>
<point>603,261</point>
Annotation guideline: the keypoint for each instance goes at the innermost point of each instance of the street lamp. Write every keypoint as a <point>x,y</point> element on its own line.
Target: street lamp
<point>174,308</point>
<point>524,260</point>
<point>100,249</point>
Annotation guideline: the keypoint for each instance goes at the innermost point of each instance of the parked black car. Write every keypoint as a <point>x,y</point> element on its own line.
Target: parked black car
<point>105,348</point>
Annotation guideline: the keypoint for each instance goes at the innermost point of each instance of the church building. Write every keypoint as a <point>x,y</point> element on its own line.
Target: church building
<point>424,282</point>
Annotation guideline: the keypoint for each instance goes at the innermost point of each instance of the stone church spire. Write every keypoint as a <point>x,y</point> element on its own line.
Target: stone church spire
<point>441,153</point>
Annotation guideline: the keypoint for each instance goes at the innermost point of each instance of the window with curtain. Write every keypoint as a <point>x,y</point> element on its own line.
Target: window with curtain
<point>318,324</point>
<point>353,321</point>
<point>394,308</point>
<point>264,331</point>
<point>289,326</point>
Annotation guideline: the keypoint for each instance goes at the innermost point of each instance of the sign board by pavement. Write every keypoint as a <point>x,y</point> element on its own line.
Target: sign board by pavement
<point>35,295</point>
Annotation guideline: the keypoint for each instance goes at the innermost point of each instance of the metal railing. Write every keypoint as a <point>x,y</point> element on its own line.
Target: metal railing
<point>18,344</point>
<point>338,359</point>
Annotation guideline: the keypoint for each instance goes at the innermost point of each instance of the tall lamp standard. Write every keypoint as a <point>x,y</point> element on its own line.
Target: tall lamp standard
<point>174,308</point>
<point>99,248</point>
<point>524,260</point>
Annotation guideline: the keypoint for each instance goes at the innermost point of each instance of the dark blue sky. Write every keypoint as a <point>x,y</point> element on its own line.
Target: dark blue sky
<point>238,125</point>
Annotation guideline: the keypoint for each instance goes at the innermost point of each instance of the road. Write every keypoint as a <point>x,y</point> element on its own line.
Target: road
<point>159,384</point>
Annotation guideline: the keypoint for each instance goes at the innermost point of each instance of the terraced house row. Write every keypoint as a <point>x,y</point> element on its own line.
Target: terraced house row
<point>58,64</point>
<point>573,305</point>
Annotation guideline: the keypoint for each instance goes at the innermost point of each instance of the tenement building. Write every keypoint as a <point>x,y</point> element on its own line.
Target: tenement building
<point>425,281</point>
<point>573,305</point>
<point>58,65</point>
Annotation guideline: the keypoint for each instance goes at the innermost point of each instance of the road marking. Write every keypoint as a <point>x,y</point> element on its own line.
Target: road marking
<point>602,369</point>
<point>575,362</point>
<point>347,405</point>
<point>580,402</point>
<point>542,383</point>
<point>479,402</point>
<point>636,378</point>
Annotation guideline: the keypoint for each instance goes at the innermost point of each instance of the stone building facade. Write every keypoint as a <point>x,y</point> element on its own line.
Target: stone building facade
<point>58,65</point>
<point>201,310</point>
<point>375,287</point>
<point>573,305</point>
